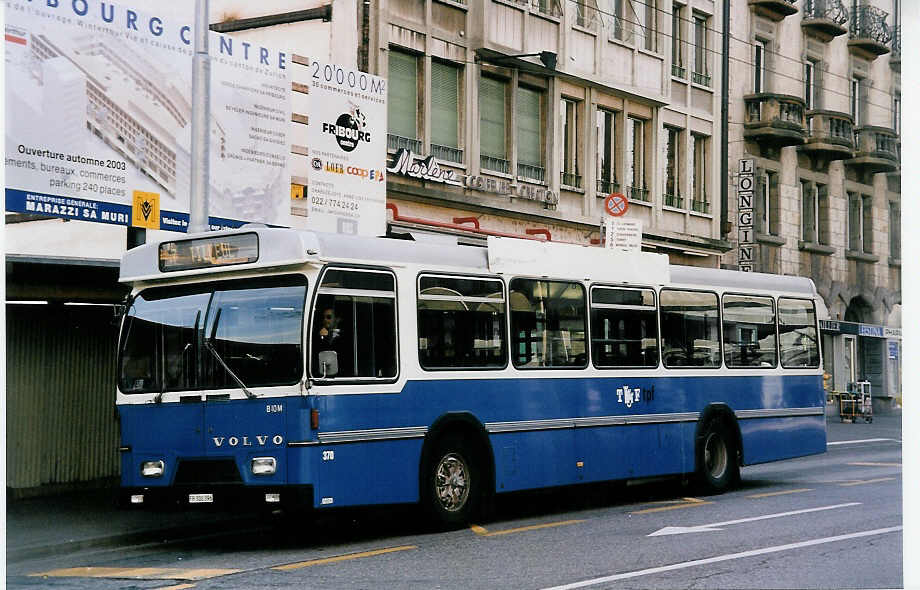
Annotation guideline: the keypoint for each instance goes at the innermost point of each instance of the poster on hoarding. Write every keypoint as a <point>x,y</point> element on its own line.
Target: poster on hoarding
<point>347,139</point>
<point>99,117</point>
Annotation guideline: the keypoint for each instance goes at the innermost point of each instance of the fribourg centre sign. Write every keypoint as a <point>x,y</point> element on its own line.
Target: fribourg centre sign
<point>405,163</point>
<point>99,110</point>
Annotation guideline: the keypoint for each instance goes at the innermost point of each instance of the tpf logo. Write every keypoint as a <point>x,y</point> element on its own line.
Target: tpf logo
<point>349,130</point>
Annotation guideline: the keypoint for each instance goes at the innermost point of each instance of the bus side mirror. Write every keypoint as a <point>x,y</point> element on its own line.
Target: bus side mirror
<point>329,363</point>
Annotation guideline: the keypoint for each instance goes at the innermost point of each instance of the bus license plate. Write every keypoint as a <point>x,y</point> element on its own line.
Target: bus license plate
<point>200,498</point>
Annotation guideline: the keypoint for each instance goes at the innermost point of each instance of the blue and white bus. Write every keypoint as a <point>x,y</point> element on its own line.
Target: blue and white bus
<point>320,370</point>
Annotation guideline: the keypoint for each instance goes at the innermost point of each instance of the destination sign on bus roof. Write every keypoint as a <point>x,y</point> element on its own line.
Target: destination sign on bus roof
<point>209,252</point>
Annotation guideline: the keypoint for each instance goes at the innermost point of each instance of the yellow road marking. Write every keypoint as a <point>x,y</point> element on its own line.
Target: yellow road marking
<point>871,464</point>
<point>485,533</point>
<point>338,558</point>
<point>140,573</point>
<point>864,481</point>
<point>768,494</point>
<point>688,502</point>
<point>176,587</point>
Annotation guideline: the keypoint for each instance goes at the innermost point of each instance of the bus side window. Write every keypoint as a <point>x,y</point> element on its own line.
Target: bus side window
<point>690,329</point>
<point>548,323</point>
<point>749,325</point>
<point>624,328</point>
<point>461,322</point>
<point>798,333</point>
<point>355,317</point>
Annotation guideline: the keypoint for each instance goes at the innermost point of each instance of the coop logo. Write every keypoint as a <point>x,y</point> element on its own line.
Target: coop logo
<point>634,395</point>
<point>316,163</point>
<point>372,175</point>
<point>349,130</point>
<point>244,441</point>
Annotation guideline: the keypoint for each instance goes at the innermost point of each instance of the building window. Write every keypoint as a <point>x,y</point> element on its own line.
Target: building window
<point>647,19</point>
<point>859,223</point>
<point>672,196</point>
<point>760,66</point>
<point>857,88</point>
<point>700,47</point>
<point>896,112</point>
<point>635,160</point>
<point>809,79</point>
<point>699,197</point>
<point>445,112</point>
<point>767,204</point>
<point>815,213</point>
<point>622,25</point>
<point>678,69</point>
<point>402,102</point>
<point>894,230</point>
<point>571,169</point>
<point>493,146</point>
<point>606,152</point>
<point>529,134</point>
<point>586,14</point>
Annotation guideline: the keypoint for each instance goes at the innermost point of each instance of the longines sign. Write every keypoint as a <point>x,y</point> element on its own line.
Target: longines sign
<point>405,163</point>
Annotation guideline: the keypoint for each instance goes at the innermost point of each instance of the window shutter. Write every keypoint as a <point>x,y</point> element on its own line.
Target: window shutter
<point>492,118</point>
<point>530,148</point>
<point>444,104</point>
<point>402,95</point>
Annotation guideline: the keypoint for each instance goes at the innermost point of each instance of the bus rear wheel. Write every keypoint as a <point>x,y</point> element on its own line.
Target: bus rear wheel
<point>452,483</point>
<point>717,459</point>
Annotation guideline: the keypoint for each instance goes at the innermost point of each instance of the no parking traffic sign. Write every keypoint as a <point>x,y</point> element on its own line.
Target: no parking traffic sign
<point>616,204</point>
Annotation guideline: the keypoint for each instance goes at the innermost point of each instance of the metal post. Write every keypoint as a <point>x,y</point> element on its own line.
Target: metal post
<point>724,222</point>
<point>201,118</point>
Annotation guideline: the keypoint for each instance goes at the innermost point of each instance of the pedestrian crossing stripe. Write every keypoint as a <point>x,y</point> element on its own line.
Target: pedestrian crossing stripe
<point>137,573</point>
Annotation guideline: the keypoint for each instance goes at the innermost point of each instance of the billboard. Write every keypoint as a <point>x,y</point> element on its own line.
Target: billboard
<point>98,117</point>
<point>347,138</point>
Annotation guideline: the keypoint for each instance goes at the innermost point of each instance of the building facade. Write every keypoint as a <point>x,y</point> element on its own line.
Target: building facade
<point>815,107</point>
<point>522,116</point>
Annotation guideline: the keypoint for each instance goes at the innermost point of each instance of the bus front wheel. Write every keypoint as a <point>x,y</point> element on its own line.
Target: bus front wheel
<point>453,484</point>
<point>717,459</point>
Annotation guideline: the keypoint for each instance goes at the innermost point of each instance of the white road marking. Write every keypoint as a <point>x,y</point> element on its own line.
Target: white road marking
<point>718,558</point>
<point>677,530</point>
<point>853,442</point>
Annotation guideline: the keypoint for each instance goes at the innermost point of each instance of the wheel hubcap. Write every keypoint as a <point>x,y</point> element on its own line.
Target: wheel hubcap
<point>715,455</point>
<point>452,482</point>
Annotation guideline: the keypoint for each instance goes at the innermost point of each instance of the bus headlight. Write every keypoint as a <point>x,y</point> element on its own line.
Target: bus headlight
<point>153,468</point>
<point>263,466</point>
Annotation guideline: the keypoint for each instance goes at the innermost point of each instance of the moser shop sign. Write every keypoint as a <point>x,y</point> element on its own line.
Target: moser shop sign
<point>406,163</point>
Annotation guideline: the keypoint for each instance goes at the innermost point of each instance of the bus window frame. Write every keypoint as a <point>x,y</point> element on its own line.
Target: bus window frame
<point>506,324</point>
<point>774,299</point>
<point>308,335</point>
<point>816,325</point>
<point>584,294</point>
<point>655,306</point>
<point>721,364</point>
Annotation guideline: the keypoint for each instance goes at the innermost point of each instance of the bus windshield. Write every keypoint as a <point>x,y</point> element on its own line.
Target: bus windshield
<point>254,326</point>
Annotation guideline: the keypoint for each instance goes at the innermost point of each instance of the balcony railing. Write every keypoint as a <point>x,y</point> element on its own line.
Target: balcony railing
<point>776,119</point>
<point>637,194</point>
<point>678,71</point>
<point>826,18</point>
<point>395,142</point>
<point>572,180</point>
<point>701,79</point>
<point>829,133</point>
<point>869,33</point>
<point>699,206</point>
<point>446,153</point>
<point>531,172</point>
<point>606,187</point>
<point>878,149</point>
<point>674,201</point>
<point>494,164</point>
<point>775,10</point>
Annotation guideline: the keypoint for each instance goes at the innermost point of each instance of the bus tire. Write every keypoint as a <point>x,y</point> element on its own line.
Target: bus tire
<point>453,482</point>
<point>717,458</point>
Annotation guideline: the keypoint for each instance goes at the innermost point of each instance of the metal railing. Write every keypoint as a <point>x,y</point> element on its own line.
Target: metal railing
<point>833,10</point>
<point>896,44</point>
<point>674,201</point>
<point>570,179</point>
<point>699,206</point>
<point>494,164</point>
<point>395,142</point>
<point>449,154</point>
<point>869,23</point>
<point>701,79</point>
<point>636,193</point>
<point>531,172</point>
<point>678,71</point>
<point>605,187</point>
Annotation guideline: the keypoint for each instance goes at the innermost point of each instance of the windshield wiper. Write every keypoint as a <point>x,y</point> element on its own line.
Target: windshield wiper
<point>209,346</point>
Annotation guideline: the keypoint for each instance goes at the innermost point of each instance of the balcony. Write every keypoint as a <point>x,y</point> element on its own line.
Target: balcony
<point>894,60</point>
<point>869,33</point>
<point>824,19</point>
<point>607,187</point>
<point>675,201</point>
<point>531,172</point>
<point>396,142</point>
<point>878,149</point>
<point>447,153</point>
<point>775,120</point>
<point>494,164</point>
<point>830,135</point>
<point>635,193</point>
<point>700,206</point>
<point>570,180</point>
<point>775,10</point>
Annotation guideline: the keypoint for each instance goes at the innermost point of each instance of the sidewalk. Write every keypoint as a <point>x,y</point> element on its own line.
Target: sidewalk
<point>56,525</point>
